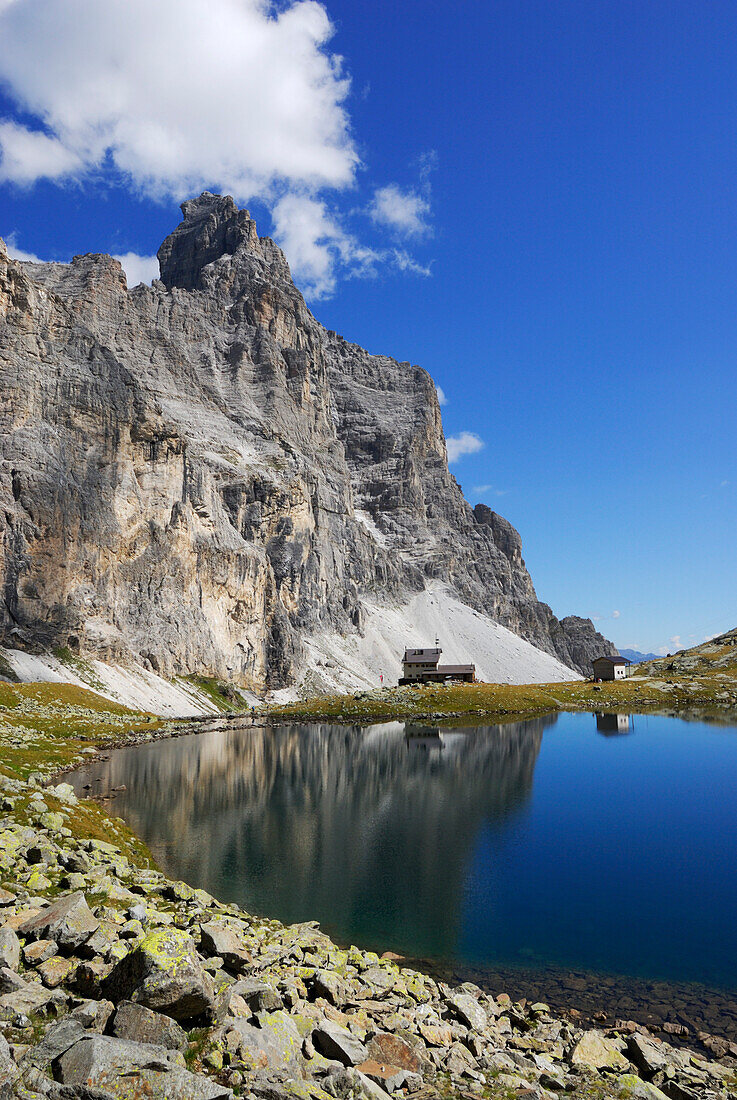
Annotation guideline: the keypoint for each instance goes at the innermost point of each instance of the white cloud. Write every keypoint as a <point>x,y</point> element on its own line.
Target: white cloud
<point>28,155</point>
<point>404,262</point>
<point>315,244</point>
<point>466,443</point>
<point>442,399</point>
<point>616,614</point>
<point>138,269</point>
<point>485,490</point>
<point>178,94</point>
<point>16,253</point>
<point>404,212</point>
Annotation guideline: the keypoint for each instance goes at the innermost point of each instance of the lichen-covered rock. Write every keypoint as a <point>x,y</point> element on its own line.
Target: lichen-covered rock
<point>163,973</point>
<point>258,995</point>
<point>337,1042</point>
<point>275,1044</point>
<point>594,1049</point>
<point>68,921</point>
<point>9,948</point>
<point>124,1070</point>
<point>8,1068</point>
<point>142,1025</point>
<point>217,937</point>
<point>39,951</point>
<point>55,970</point>
<point>468,1010</point>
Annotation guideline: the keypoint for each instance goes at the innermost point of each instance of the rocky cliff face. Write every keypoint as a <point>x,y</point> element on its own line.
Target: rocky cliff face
<point>197,475</point>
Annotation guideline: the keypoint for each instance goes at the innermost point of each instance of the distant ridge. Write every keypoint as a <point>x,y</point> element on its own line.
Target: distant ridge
<point>635,656</point>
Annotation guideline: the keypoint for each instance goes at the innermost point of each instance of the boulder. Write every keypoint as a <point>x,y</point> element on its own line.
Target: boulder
<point>57,1040</point>
<point>594,1049</point>
<point>646,1055</point>
<point>329,986</point>
<point>276,1044</point>
<point>459,1059</point>
<point>468,1010</point>
<point>387,1048</point>
<point>68,921</point>
<point>8,1069</point>
<point>10,982</point>
<point>259,996</point>
<point>143,1025</point>
<point>337,1042</point>
<point>31,997</point>
<point>39,951</point>
<point>379,979</point>
<point>93,1015</point>
<point>56,970</point>
<point>219,938</point>
<point>125,1069</point>
<point>163,973</point>
<point>9,948</point>
<point>387,1076</point>
<point>436,1035</point>
<point>634,1087</point>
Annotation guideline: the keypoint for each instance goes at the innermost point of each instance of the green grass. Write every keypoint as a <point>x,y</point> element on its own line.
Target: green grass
<point>506,702</point>
<point>44,728</point>
<point>225,696</point>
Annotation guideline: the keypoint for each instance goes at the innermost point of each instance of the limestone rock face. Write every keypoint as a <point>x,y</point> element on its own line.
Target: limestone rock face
<point>197,475</point>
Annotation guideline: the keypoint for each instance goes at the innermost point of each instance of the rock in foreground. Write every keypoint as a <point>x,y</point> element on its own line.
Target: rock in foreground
<point>166,993</point>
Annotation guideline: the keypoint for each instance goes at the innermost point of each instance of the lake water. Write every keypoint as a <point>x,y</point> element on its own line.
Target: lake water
<point>573,844</point>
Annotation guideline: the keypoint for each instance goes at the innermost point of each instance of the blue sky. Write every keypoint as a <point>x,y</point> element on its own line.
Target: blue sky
<point>535,201</point>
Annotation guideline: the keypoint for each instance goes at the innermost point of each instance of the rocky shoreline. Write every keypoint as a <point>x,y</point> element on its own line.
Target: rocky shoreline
<point>117,982</point>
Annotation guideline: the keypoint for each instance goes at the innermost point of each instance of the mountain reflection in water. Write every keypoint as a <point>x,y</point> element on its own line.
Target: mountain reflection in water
<point>601,842</point>
<point>368,831</point>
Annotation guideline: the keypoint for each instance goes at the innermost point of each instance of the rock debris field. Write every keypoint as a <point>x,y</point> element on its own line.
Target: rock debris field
<point>116,982</point>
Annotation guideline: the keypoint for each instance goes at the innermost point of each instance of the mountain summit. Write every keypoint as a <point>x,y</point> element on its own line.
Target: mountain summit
<point>198,476</point>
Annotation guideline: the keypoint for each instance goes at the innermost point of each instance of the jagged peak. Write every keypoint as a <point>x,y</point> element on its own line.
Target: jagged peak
<point>212,226</point>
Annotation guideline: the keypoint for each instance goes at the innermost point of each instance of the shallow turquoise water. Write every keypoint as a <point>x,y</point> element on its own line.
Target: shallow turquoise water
<point>551,842</point>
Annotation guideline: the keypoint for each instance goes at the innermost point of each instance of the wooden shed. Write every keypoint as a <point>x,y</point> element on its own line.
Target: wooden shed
<point>610,667</point>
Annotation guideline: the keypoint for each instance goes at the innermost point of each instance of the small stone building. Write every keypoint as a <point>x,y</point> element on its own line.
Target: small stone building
<point>420,666</point>
<point>611,668</point>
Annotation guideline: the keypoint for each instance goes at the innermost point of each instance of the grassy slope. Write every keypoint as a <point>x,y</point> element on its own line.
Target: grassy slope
<point>699,681</point>
<point>45,728</point>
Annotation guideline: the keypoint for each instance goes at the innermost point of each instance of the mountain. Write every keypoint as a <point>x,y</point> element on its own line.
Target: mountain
<point>635,656</point>
<point>717,656</point>
<point>198,477</point>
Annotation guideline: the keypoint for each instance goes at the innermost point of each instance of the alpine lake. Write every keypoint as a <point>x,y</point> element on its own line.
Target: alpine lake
<point>585,860</point>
